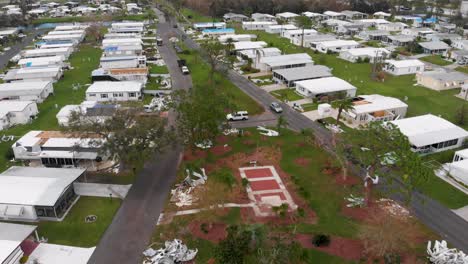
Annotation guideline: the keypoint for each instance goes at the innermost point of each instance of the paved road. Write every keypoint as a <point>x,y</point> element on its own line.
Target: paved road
<point>28,40</point>
<point>439,218</point>
<point>133,225</point>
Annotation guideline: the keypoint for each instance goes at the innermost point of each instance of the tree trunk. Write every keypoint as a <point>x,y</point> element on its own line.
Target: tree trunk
<point>339,115</point>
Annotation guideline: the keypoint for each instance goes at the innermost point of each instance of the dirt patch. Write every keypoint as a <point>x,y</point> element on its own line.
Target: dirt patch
<point>223,139</point>
<point>349,181</point>
<point>303,162</point>
<point>248,142</point>
<point>214,232</point>
<point>361,214</point>
<point>220,149</point>
<point>346,248</point>
<point>191,155</point>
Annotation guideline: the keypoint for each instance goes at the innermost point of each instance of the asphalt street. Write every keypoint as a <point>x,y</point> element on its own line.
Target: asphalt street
<point>436,216</point>
<point>132,227</point>
<point>26,41</point>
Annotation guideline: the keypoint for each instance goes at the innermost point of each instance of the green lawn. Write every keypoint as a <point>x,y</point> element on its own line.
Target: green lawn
<point>85,60</point>
<point>155,69</point>
<point>195,17</point>
<point>73,230</point>
<point>199,71</point>
<point>463,69</point>
<point>309,107</point>
<point>436,59</point>
<point>286,94</point>
<point>69,19</point>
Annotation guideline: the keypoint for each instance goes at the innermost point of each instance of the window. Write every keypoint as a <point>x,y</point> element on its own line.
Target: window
<point>131,94</point>
<point>115,95</point>
<point>92,95</point>
<point>104,95</point>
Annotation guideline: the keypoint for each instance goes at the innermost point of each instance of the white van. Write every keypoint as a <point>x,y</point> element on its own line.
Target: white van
<point>239,115</point>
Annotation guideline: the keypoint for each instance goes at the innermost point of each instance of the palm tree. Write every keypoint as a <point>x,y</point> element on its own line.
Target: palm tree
<point>342,105</point>
<point>303,22</point>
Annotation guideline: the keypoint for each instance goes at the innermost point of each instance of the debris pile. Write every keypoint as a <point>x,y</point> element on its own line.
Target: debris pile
<point>173,252</point>
<point>181,195</point>
<point>157,104</point>
<point>231,131</point>
<point>441,254</point>
<point>354,201</point>
<point>205,144</point>
<point>267,132</point>
<point>393,208</point>
<point>334,128</point>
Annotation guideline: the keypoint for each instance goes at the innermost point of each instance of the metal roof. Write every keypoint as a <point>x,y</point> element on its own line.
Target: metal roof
<point>303,73</point>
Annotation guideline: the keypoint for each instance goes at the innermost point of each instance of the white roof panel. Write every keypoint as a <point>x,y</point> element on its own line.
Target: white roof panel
<point>376,103</point>
<point>287,59</point>
<point>405,63</point>
<point>59,254</point>
<point>124,86</point>
<point>429,129</point>
<point>326,85</point>
<point>35,185</point>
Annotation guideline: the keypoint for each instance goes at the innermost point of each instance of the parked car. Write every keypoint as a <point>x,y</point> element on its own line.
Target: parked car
<point>276,107</point>
<point>239,115</point>
<point>185,70</point>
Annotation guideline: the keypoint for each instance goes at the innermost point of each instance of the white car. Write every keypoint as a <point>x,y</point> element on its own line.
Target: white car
<point>239,115</point>
<point>185,70</point>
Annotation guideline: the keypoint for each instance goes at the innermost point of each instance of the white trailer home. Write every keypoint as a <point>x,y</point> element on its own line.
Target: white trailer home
<point>114,91</point>
<point>34,193</point>
<point>278,29</point>
<point>328,86</point>
<point>354,55</point>
<point>441,80</point>
<point>91,111</point>
<point>263,17</point>
<point>123,62</point>
<point>249,45</point>
<point>125,50</point>
<point>283,61</point>
<point>68,38</point>
<point>34,74</point>
<point>35,53</point>
<point>236,37</point>
<point>42,62</point>
<point>374,108</point>
<point>290,76</point>
<point>287,16</point>
<point>257,25</point>
<point>403,67</point>
<point>298,33</point>
<point>26,91</point>
<point>43,45</point>
<point>127,27</point>
<point>458,168</point>
<point>335,45</point>
<point>16,113</point>
<point>121,42</point>
<point>430,134</point>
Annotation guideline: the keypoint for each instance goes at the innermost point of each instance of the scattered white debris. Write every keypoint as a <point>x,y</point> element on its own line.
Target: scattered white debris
<point>173,252</point>
<point>298,107</point>
<point>267,132</point>
<point>441,254</point>
<point>181,195</point>
<point>231,131</point>
<point>393,208</point>
<point>174,40</point>
<point>355,201</point>
<point>205,144</point>
<point>6,138</point>
<point>157,104</point>
<point>334,128</point>
<point>160,63</point>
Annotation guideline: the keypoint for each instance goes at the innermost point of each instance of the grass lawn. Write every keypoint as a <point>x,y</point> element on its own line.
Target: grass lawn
<point>200,71</point>
<point>155,69</point>
<point>83,61</point>
<point>286,94</point>
<point>309,107</point>
<point>196,17</point>
<point>265,80</point>
<point>436,59</point>
<point>68,19</point>
<point>463,69</point>
<point>73,230</point>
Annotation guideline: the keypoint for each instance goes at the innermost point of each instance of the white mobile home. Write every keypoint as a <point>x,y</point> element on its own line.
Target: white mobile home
<point>34,193</point>
<point>429,133</point>
<point>277,29</point>
<point>236,37</point>
<point>298,33</point>
<point>283,61</point>
<point>121,42</point>
<point>127,27</point>
<point>403,67</point>
<point>257,25</point>
<point>263,17</point>
<point>441,80</point>
<point>122,35</point>
<point>43,45</point>
<point>458,169</point>
<point>317,88</point>
<point>67,32</point>
<point>35,53</point>
<point>249,45</point>
<point>367,53</point>
<point>75,38</point>
<point>26,91</point>
<point>91,111</point>
<point>335,45</point>
<point>126,50</point>
<point>375,107</point>
<point>34,74</point>
<point>123,62</point>
<point>399,40</point>
<point>209,25</point>
<point>70,27</point>
<point>254,54</point>
<point>417,32</point>
<point>121,74</point>
<point>42,62</point>
<point>290,76</point>
<point>392,27</point>
<point>16,113</point>
<point>311,41</point>
<point>287,16</point>
<point>334,15</point>
<point>233,17</point>
<point>114,91</point>
<point>435,47</point>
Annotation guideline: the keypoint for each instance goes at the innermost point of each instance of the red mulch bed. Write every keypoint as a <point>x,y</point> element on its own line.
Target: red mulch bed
<point>248,142</point>
<point>216,233</point>
<point>303,162</point>
<point>349,181</point>
<point>190,155</point>
<point>339,246</point>
<point>220,149</point>
<point>222,139</point>
<point>361,214</point>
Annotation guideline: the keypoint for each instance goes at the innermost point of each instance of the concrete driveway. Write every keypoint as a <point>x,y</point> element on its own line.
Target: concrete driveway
<point>101,189</point>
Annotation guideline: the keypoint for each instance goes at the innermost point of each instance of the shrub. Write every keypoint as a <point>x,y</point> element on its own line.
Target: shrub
<point>9,155</point>
<point>321,240</point>
<point>245,182</point>
<point>204,228</point>
<point>359,60</point>
<point>366,60</point>
<point>300,212</point>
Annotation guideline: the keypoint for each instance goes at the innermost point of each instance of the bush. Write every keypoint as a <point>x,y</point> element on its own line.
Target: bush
<point>321,240</point>
<point>366,60</point>
<point>9,155</point>
<point>359,60</point>
<point>245,182</point>
<point>204,228</point>
<point>300,212</point>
